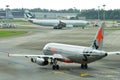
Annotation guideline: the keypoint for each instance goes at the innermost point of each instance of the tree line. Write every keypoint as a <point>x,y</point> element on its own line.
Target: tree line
<point>99,14</point>
<point>88,13</point>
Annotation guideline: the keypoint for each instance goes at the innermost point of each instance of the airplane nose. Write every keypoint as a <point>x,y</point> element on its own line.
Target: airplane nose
<point>106,54</point>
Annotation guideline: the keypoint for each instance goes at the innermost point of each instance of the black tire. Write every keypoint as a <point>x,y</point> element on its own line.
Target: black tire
<point>54,67</point>
<point>84,66</point>
<point>32,60</point>
<point>55,27</point>
<point>57,67</point>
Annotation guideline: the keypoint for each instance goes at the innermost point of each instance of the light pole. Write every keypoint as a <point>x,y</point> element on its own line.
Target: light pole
<point>104,12</point>
<point>7,10</point>
<point>98,13</point>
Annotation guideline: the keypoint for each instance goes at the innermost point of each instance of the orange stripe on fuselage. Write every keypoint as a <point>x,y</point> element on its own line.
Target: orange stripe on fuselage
<point>70,61</point>
<point>66,61</point>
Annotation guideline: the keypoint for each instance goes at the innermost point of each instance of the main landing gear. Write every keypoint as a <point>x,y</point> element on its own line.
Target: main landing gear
<point>55,66</point>
<point>84,66</point>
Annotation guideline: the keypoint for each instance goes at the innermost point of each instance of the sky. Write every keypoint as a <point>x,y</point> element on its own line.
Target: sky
<point>60,4</point>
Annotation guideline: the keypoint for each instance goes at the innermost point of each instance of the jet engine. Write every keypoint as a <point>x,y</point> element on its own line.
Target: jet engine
<point>40,61</point>
<point>69,26</point>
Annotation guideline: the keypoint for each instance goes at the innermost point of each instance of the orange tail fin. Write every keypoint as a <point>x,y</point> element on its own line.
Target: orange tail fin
<point>98,42</point>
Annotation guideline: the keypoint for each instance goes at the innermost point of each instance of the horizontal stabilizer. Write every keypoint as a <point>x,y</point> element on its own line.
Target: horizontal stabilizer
<point>114,53</point>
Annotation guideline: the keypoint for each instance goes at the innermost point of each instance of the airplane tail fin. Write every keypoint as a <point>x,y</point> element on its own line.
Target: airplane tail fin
<point>28,15</point>
<point>98,41</point>
<point>9,14</point>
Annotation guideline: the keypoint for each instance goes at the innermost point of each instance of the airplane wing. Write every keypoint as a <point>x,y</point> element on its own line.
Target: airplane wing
<point>58,56</point>
<point>114,53</point>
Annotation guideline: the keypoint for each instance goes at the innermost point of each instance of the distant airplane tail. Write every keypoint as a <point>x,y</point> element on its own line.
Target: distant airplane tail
<point>98,42</point>
<point>9,14</point>
<point>28,15</point>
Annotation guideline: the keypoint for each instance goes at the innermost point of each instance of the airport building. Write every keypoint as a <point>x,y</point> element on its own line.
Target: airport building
<point>43,15</point>
<point>39,15</point>
<point>9,14</point>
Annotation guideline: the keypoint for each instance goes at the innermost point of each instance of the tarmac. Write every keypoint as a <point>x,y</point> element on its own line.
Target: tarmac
<point>21,68</point>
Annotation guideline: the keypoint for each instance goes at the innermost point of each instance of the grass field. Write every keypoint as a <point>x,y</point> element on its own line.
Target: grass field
<point>6,33</point>
<point>15,21</point>
<point>113,28</point>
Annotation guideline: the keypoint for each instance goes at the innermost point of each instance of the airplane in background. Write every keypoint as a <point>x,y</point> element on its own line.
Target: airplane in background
<point>54,52</point>
<point>56,24</point>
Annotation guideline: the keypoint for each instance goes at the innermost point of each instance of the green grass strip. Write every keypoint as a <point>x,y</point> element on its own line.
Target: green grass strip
<point>7,33</point>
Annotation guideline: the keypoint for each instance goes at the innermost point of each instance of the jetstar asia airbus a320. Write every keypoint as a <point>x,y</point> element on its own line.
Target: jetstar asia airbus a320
<point>54,52</point>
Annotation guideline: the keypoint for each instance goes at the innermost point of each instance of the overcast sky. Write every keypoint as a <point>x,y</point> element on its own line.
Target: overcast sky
<point>61,4</point>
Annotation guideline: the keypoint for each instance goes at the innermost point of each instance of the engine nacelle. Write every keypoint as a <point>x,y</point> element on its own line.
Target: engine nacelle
<point>41,61</point>
<point>69,26</point>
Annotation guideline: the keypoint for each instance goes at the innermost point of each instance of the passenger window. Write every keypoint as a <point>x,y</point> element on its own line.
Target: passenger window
<point>86,52</point>
<point>90,51</point>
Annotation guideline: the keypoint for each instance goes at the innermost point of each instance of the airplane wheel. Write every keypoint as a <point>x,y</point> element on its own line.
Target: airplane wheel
<point>55,27</point>
<point>55,67</point>
<point>84,66</point>
<point>32,60</point>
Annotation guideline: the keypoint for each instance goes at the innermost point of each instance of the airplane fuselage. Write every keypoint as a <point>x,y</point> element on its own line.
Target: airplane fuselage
<point>74,54</point>
<point>56,22</point>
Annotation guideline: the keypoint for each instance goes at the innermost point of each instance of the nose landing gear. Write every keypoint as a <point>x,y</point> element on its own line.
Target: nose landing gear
<point>84,66</point>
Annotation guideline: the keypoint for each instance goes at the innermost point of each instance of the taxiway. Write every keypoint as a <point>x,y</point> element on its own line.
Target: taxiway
<point>20,68</point>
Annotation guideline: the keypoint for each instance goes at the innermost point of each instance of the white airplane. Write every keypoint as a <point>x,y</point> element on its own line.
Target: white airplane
<point>54,52</point>
<point>56,24</point>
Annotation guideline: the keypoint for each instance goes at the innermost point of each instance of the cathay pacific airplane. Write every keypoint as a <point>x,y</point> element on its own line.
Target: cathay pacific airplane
<point>54,52</point>
<point>56,24</point>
